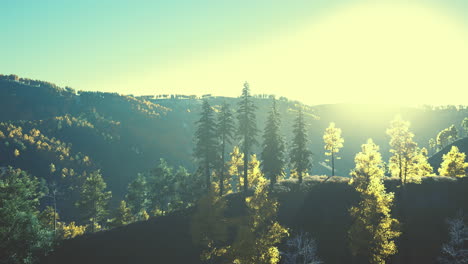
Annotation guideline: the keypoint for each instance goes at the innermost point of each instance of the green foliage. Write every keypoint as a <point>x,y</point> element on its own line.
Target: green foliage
<point>71,230</point>
<point>453,164</point>
<point>273,146</point>
<point>22,236</point>
<point>165,190</point>
<point>300,154</point>
<point>137,194</point>
<point>464,125</point>
<point>94,200</point>
<point>122,216</point>
<point>447,136</point>
<point>247,128</point>
<point>206,148</point>
<point>333,143</point>
<point>408,162</point>
<point>373,230</point>
<point>255,236</point>
<point>225,132</point>
<point>236,167</point>
<point>208,225</point>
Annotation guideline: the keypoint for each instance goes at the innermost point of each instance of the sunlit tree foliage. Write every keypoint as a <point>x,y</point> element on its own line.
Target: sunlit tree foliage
<point>453,163</point>
<point>333,144</point>
<point>373,230</point>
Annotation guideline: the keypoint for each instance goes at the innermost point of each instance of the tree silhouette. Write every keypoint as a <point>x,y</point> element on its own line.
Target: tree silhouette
<point>273,146</point>
<point>247,128</point>
<point>300,155</point>
<point>225,132</point>
<point>206,149</point>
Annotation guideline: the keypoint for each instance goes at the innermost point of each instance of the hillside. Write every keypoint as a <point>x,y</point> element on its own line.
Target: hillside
<point>77,131</point>
<point>322,211</point>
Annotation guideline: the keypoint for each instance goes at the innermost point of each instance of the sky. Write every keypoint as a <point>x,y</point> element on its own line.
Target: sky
<point>318,52</point>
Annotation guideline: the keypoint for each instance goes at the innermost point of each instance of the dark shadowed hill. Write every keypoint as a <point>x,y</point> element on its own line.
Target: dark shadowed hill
<point>322,211</point>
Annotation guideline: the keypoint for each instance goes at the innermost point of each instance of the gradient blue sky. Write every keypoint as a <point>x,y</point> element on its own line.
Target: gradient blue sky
<point>193,47</point>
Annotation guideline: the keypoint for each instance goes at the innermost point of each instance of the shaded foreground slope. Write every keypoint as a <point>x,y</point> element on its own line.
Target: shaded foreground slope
<point>321,211</point>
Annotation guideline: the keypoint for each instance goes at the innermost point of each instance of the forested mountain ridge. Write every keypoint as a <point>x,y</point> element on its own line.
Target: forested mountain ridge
<point>161,154</point>
<point>123,135</point>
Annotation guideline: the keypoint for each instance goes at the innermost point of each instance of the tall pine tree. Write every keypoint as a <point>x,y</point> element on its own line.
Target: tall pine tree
<point>300,155</point>
<point>225,132</point>
<point>247,128</point>
<point>206,146</point>
<point>94,199</point>
<point>273,146</point>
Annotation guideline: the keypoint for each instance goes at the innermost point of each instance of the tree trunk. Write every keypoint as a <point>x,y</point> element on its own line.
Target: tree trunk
<point>246,170</point>
<point>221,177</point>
<point>333,163</point>
<point>55,214</point>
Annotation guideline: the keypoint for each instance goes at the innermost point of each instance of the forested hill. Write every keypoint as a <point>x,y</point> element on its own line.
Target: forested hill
<point>58,133</point>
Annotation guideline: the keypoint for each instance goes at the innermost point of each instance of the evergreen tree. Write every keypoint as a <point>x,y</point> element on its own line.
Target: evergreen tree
<point>206,149</point>
<point>273,146</point>
<point>22,235</point>
<point>453,163</point>
<point>300,155</point>
<point>373,230</point>
<point>333,143</point>
<point>137,194</point>
<point>405,152</point>
<point>225,132</point>
<point>123,215</point>
<point>464,125</point>
<point>247,128</point>
<point>94,199</point>
<point>160,183</point>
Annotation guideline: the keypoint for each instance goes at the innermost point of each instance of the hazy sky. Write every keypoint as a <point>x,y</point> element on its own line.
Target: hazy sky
<point>322,51</point>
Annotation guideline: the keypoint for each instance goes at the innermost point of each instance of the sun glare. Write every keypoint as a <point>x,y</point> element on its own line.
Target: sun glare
<point>371,53</point>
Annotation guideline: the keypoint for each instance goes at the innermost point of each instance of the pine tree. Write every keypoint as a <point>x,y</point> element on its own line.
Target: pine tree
<point>22,235</point>
<point>405,152</point>
<point>300,155</point>
<point>373,230</point>
<point>273,146</point>
<point>94,199</point>
<point>123,215</point>
<point>464,125</point>
<point>225,132</point>
<point>453,164</point>
<point>247,128</point>
<point>333,143</point>
<point>160,183</point>
<point>137,194</point>
<point>206,149</point>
